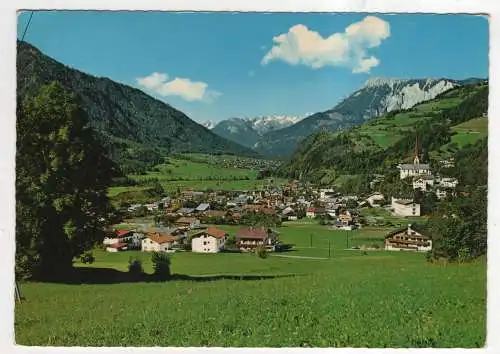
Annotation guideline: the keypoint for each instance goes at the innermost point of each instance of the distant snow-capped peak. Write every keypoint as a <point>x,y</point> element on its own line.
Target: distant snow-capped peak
<point>264,124</point>
<point>209,124</point>
<point>261,124</point>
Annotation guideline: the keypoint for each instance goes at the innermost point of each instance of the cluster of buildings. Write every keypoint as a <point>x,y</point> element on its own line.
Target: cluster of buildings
<point>200,239</point>
<point>422,179</point>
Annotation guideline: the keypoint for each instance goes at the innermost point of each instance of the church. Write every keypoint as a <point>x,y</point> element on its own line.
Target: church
<point>414,169</point>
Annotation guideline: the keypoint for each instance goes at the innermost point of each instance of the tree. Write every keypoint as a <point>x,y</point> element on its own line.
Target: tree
<point>62,175</point>
<point>157,189</point>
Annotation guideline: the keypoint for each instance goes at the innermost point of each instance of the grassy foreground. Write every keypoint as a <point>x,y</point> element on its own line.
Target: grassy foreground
<point>382,299</point>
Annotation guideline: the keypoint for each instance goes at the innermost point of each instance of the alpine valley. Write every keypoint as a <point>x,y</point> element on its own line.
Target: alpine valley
<point>136,128</point>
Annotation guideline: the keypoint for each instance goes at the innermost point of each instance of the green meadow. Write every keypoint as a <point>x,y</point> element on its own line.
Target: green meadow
<point>185,174</point>
<point>352,299</point>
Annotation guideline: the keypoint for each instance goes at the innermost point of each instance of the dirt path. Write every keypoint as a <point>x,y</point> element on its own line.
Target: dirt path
<point>303,257</point>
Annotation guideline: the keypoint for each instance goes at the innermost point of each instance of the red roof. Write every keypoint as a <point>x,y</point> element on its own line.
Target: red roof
<point>121,233</point>
<point>117,245</point>
<point>311,210</point>
<point>212,231</point>
<point>258,233</point>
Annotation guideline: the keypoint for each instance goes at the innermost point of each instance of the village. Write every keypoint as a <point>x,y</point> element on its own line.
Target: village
<point>189,222</point>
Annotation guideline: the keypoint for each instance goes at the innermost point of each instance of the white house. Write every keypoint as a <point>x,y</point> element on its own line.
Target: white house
<point>151,206</point>
<point>326,193</point>
<point>422,182</point>
<point>405,207</point>
<point>189,222</point>
<point>448,182</point>
<point>158,242</point>
<point>311,212</point>
<point>211,240</point>
<point>375,199</point>
<point>407,239</point>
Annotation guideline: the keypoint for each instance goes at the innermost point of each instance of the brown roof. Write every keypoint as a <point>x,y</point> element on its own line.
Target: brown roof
<point>212,231</point>
<point>253,207</point>
<point>269,211</point>
<point>216,213</point>
<point>186,220</point>
<point>161,238</point>
<point>253,233</point>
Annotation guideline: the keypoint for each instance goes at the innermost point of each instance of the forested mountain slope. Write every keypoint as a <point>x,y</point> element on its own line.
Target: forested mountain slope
<point>133,125</point>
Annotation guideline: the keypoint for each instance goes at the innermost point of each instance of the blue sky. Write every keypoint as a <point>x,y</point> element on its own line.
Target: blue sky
<point>220,65</point>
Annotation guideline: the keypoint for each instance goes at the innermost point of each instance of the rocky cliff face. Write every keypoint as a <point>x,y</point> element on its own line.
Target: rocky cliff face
<point>404,94</point>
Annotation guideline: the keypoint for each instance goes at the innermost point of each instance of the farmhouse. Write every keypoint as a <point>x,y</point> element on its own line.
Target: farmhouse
<point>448,182</point>
<point>115,247</point>
<point>125,238</point>
<point>211,240</point>
<point>311,212</point>
<point>189,222</point>
<point>185,211</point>
<point>248,239</point>
<point>158,242</point>
<point>374,199</point>
<point>423,182</point>
<point>405,207</point>
<point>407,239</point>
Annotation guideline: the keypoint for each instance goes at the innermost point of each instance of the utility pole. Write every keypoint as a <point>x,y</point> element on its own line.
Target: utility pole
<point>18,295</point>
<point>329,248</point>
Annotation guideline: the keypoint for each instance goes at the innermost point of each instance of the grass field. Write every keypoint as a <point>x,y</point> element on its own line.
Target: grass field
<point>185,174</point>
<point>466,133</point>
<point>386,131</point>
<point>382,299</point>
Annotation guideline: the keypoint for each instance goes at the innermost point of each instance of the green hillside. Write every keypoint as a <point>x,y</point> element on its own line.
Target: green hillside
<point>451,119</point>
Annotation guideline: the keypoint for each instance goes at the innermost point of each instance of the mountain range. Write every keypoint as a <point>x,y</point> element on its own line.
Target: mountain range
<point>444,126</point>
<point>248,131</point>
<point>131,123</point>
<point>377,97</point>
<point>137,128</point>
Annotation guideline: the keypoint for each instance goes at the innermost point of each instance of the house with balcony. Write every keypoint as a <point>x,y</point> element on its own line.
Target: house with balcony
<point>407,239</point>
<point>249,238</point>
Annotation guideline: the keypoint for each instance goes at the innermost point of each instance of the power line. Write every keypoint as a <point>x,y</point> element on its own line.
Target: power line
<point>27,26</point>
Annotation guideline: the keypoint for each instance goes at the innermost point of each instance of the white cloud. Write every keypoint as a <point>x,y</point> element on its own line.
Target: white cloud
<point>185,88</point>
<point>301,45</point>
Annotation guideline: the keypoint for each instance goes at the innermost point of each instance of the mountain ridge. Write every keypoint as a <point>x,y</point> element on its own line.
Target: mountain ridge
<point>376,97</point>
<point>248,130</point>
<point>120,114</point>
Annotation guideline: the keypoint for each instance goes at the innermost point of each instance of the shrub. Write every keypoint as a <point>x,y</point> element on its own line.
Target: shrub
<point>161,265</point>
<point>87,257</point>
<point>135,267</point>
<point>261,252</point>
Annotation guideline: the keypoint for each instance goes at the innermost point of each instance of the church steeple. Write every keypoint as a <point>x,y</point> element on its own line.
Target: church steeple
<point>416,160</point>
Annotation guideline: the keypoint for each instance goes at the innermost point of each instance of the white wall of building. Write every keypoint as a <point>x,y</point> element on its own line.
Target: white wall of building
<point>412,209</point>
<point>149,245</point>
<point>207,244</point>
